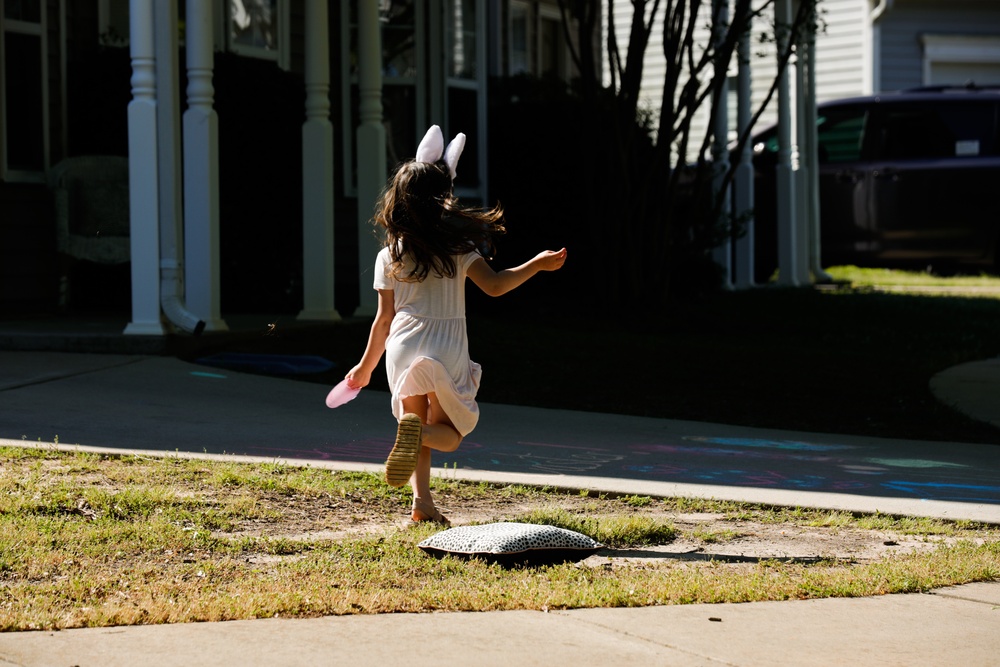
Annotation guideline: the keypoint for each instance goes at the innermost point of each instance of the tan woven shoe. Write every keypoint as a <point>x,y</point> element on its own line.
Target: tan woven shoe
<point>402,459</point>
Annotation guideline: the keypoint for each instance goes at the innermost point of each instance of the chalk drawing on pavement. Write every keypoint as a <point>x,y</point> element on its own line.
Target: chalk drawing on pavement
<point>862,470</point>
<point>797,465</point>
<point>914,463</point>
<point>540,457</point>
<point>769,444</point>
<point>704,460</point>
<point>944,491</point>
<point>364,450</point>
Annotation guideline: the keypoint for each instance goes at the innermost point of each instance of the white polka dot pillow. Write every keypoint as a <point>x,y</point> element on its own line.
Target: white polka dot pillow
<point>512,544</point>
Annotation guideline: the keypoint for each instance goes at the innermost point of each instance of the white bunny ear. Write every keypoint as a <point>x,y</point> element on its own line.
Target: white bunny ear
<point>453,152</point>
<point>431,147</point>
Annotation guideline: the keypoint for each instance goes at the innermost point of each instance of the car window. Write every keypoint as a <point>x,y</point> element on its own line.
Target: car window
<point>936,131</point>
<point>840,133</point>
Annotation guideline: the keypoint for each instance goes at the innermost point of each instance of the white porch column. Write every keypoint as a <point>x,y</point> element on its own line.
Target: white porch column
<point>801,164</point>
<point>722,254</point>
<point>142,174</point>
<point>169,159</point>
<point>812,156</point>
<point>201,172</point>
<point>372,169</point>
<point>317,170</point>
<point>744,177</point>
<point>787,239</point>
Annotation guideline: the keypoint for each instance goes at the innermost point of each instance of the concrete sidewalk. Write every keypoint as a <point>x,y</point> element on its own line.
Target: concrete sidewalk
<point>949,627</point>
<point>136,402</point>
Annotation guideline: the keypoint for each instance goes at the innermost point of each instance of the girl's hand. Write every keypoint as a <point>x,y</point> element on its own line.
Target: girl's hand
<point>497,283</point>
<point>551,260</point>
<point>358,378</point>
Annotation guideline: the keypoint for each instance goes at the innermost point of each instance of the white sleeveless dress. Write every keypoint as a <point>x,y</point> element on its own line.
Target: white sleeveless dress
<point>428,347</point>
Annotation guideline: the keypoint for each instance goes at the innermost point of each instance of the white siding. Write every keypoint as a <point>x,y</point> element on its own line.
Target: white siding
<point>654,66</point>
<point>840,53</point>
<point>701,122</point>
<point>844,49</point>
<point>654,63</point>
<point>840,49</point>
<point>763,70</point>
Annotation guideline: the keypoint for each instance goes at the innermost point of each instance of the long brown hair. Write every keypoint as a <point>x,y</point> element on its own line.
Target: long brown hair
<point>425,227</point>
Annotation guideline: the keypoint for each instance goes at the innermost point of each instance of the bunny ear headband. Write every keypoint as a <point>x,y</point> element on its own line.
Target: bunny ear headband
<point>432,149</point>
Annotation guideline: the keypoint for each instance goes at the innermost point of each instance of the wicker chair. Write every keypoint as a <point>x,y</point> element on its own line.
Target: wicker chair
<point>92,213</point>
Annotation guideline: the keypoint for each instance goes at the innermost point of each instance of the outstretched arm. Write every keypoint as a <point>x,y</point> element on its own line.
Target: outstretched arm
<point>496,283</point>
<point>361,375</point>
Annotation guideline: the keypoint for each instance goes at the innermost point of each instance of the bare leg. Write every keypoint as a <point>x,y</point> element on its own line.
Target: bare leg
<point>439,434</point>
<point>420,482</point>
<point>418,405</point>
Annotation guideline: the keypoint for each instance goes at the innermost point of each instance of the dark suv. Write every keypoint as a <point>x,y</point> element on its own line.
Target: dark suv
<point>907,179</point>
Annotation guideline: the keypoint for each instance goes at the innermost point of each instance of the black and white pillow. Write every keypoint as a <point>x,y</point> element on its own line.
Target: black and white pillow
<point>512,544</point>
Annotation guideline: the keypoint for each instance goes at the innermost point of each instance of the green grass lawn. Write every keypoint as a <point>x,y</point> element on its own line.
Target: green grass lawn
<point>861,277</point>
<point>846,359</point>
<point>88,540</point>
<point>95,540</point>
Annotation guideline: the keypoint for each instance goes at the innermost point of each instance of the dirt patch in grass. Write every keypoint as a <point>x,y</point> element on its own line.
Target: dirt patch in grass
<point>702,537</point>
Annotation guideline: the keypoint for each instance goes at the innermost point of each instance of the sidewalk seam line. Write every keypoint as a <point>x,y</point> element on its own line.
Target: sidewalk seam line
<point>566,613</point>
<point>66,376</point>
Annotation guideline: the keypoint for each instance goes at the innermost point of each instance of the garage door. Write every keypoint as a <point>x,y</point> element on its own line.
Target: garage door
<point>959,74</point>
<point>959,59</point>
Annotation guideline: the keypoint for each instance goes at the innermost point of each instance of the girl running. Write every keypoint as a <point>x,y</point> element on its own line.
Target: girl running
<point>431,246</point>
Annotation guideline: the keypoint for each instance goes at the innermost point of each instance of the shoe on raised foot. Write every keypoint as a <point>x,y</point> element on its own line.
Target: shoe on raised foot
<point>402,459</point>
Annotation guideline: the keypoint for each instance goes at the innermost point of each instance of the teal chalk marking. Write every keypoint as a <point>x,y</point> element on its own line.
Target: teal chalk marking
<point>915,463</point>
<point>203,374</point>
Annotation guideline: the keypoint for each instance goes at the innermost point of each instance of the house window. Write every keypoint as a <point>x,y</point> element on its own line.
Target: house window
<point>460,33</point>
<point>553,60</point>
<point>536,40</point>
<point>465,90</point>
<point>29,11</point>
<point>433,71</point>
<point>258,29</point>
<point>522,35</point>
<point>403,44</point>
<point>23,108</point>
<point>112,22</point>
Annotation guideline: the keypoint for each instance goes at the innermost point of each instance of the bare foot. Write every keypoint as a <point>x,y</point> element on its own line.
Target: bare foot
<point>424,510</point>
